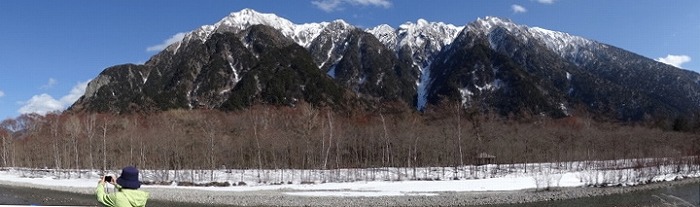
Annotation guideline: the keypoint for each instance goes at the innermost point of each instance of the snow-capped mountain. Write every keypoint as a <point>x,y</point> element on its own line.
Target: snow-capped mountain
<point>235,22</point>
<point>491,64</point>
<point>417,36</point>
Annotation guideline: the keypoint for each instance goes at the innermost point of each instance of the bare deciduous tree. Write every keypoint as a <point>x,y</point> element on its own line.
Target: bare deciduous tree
<point>73,128</point>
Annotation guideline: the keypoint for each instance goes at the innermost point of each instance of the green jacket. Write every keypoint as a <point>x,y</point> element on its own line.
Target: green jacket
<point>121,198</point>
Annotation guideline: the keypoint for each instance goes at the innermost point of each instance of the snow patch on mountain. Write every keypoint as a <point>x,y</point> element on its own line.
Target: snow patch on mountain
<point>574,48</point>
<point>416,35</point>
<point>386,34</point>
<point>466,96</point>
<point>335,34</point>
<point>495,85</point>
<point>305,33</point>
<point>488,24</point>
<point>230,60</point>
<point>559,42</point>
<point>422,87</point>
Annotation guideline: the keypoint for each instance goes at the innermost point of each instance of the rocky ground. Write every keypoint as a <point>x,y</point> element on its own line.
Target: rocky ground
<point>19,193</point>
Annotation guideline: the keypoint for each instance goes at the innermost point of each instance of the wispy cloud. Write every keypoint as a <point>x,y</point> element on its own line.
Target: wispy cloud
<point>518,9</point>
<point>45,103</point>
<point>380,3</point>
<point>675,60</point>
<point>52,82</point>
<point>2,94</point>
<point>328,5</point>
<point>175,38</point>
<point>546,1</point>
<point>335,5</point>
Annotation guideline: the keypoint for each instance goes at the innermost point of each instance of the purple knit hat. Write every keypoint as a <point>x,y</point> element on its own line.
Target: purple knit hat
<point>129,178</point>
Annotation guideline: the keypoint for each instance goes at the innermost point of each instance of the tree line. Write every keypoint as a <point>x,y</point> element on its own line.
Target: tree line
<point>306,137</point>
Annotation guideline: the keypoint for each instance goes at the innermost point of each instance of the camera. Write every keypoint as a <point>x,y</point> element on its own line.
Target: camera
<point>108,179</point>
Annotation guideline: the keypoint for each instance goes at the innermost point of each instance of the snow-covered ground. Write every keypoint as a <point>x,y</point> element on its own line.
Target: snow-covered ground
<point>387,181</point>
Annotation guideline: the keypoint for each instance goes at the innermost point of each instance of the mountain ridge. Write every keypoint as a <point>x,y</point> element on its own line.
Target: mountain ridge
<point>492,64</point>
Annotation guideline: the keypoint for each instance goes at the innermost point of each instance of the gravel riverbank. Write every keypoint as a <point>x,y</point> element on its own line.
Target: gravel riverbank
<point>161,196</point>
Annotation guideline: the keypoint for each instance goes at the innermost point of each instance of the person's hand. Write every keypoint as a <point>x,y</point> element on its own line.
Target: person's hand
<point>111,181</point>
<point>102,180</point>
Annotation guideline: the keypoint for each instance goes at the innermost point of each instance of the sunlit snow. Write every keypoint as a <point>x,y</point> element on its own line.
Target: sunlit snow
<point>389,181</point>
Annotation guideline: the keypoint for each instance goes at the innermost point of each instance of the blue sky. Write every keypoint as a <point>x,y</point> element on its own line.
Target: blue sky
<point>49,50</point>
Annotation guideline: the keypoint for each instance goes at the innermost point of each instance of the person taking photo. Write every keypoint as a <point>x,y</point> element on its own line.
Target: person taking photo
<point>127,192</point>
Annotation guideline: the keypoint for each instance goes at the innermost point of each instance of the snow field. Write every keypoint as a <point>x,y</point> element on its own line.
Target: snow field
<point>372,182</point>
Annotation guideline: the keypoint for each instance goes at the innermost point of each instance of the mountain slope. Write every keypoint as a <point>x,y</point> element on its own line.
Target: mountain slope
<point>567,71</point>
<point>491,64</point>
<point>417,44</point>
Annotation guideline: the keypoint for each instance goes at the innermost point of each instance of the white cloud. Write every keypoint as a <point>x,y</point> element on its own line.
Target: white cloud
<point>335,5</point>
<point>45,103</point>
<point>52,82</point>
<point>518,9</point>
<point>546,1</point>
<point>327,5</point>
<point>40,104</point>
<point>2,94</point>
<point>675,60</point>
<point>175,38</point>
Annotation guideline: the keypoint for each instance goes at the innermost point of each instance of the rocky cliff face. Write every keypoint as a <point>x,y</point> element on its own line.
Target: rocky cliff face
<point>490,64</point>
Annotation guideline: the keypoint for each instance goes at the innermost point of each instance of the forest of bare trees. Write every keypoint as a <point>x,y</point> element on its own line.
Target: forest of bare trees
<point>305,137</point>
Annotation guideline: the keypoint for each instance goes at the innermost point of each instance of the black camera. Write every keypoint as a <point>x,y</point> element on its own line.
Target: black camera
<point>108,179</point>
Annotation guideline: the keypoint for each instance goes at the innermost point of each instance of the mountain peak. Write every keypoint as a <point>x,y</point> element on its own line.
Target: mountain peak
<point>385,34</point>
<point>246,11</point>
<point>382,27</point>
<point>422,32</point>
<point>241,20</point>
<point>248,17</point>
<point>493,20</point>
<point>422,22</point>
<point>339,25</point>
<point>489,23</point>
